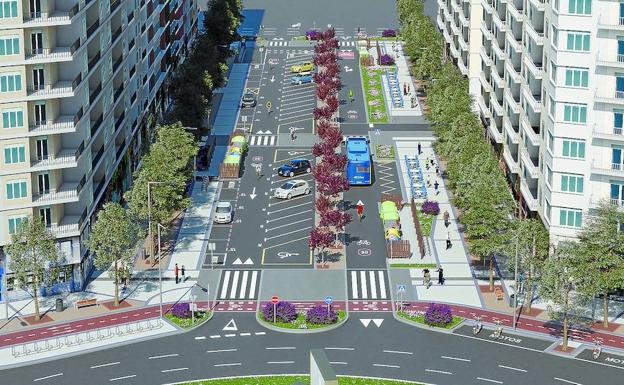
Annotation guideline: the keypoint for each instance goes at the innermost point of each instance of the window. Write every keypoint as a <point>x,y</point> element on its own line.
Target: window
<point>555,36</point>
<point>551,142</point>
<point>618,120</point>
<point>617,193</point>
<point>14,154</point>
<point>579,7</point>
<point>553,72</point>
<point>15,221</point>
<point>570,218</point>
<point>549,176</point>
<point>10,82</point>
<point>16,189</point>
<point>9,45</point>
<point>571,183</point>
<point>551,107</point>
<point>8,9</point>
<point>12,118</point>
<point>548,210</point>
<point>575,113</point>
<point>573,148</point>
<point>578,41</point>
<point>616,158</point>
<point>576,77</point>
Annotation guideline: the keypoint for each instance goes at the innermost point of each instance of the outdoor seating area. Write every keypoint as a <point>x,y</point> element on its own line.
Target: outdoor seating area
<point>394,87</point>
<point>418,187</point>
<point>234,155</point>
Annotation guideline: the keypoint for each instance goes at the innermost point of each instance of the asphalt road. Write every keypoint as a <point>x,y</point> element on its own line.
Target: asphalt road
<point>392,350</point>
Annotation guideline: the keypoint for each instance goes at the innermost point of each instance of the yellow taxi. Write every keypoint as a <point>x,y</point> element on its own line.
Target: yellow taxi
<point>302,67</point>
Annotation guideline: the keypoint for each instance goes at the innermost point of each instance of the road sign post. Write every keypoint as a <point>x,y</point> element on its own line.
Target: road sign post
<point>274,301</point>
<point>328,301</point>
<point>400,291</point>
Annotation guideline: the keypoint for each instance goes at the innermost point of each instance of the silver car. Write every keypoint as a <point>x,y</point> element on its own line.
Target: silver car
<point>292,188</point>
<point>224,212</point>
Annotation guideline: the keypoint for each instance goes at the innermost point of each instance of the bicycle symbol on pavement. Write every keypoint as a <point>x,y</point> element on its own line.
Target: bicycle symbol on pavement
<point>286,254</point>
<point>363,242</point>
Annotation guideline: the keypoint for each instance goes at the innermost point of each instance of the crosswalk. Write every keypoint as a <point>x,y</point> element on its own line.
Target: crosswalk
<point>263,140</point>
<point>368,284</point>
<point>278,43</point>
<point>347,44</point>
<point>239,284</point>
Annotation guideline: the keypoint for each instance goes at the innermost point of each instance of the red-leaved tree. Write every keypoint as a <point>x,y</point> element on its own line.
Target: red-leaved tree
<point>335,162</point>
<point>320,239</point>
<point>322,113</point>
<point>322,204</point>
<point>332,136</point>
<point>331,185</point>
<point>331,69</point>
<point>324,90</point>
<point>322,126</point>
<point>322,149</point>
<point>335,218</point>
<point>328,34</point>
<point>332,103</point>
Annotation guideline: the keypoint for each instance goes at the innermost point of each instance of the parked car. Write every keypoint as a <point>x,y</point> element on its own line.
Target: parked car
<point>295,167</point>
<point>302,67</point>
<point>292,188</point>
<point>224,212</point>
<point>249,99</point>
<point>301,79</point>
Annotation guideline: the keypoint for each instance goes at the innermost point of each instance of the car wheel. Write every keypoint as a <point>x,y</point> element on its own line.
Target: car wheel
<point>299,82</point>
<point>307,191</point>
<point>288,196</point>
<point>308,170</point>
<point>291,174</point>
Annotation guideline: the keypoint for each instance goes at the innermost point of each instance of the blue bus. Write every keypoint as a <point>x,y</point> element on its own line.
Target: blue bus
<point>358,161</point>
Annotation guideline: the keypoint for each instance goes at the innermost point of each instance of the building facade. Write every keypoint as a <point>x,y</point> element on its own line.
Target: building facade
<point>551,97</point>
<point>82,84</point>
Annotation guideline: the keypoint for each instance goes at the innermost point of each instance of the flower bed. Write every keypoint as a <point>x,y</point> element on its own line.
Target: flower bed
<point>436,315</point>
<point>385,151</point>
<point>291,379</point>
<point>413,265</point>
<point>314,318</point>
<point>180,314</point>
<point>426,221</point>
<point>373,89</point>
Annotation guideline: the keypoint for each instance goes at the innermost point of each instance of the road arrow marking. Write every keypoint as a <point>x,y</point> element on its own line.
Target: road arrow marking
<point>237,262</point>
<point>268,132</point>
<point>378,322</point>
<point>260,132</point>
<point>253,194</point>
<point>230,326</point>
<point>249,261</point>
<point>272,78</point>
<point>365,322</point>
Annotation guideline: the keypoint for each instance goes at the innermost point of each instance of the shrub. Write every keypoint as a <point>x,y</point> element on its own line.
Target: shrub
<point>285,311</point>
<point>389,32</point>
<point>431,208</point>
<point>181,310</point>
<point>319,314</point>
<point>386,60</point>
<point>438,315</point>
<point>313,34</point>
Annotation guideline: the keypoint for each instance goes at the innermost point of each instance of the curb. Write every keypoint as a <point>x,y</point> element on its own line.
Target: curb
<point>191,328</point>
<point>267,325</point>
<point>425,327</point>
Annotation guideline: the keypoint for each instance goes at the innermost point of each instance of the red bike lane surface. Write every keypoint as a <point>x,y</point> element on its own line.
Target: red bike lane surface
<point>78,326</point>
<point>527,323</point>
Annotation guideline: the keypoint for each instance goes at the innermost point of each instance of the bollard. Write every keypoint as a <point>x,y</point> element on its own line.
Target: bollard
<point>128,329</point>
<point>78,339</point>
<point>37,347</point>
<point>26,349</point>
<point>139,327</point>
<point>14,351</point>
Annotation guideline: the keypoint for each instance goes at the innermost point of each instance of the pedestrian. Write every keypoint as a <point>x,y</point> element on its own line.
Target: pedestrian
<point>408,88</point>
<point>360,210</point>
<point>351,96</point>
<point>419,148</point>
<point>437,171</point>
<point>404,88</point>
<point>177,272</point>
<point>440,275</point>
<point>448,240</point>
<point>183,270</point>
<point>292,134</point>
<point>426,278</point>
<point>436,185</point>
<point>258,171</point>
<point>446,216</point>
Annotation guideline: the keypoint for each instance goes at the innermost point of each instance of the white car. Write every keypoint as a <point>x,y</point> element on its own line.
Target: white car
<point>224,212</point>
<point>292,188</point>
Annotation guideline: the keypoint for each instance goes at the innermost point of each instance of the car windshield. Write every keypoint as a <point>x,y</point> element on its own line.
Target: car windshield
<point>223,209</point>
<point>248,96</point>
<point>288,185</point>
<point>291,164</point>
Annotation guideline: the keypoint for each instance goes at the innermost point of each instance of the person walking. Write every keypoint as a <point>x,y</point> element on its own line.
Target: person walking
<point>419,148</point>
<point>448,240</point>
<point>292,134</point>
<point>436,187</point>
<point>408,88</point>
<point>404,88</point>
<point>426,278</point>
<point>183,270</point>
<point>446,217</point>
<point>268,107</point>
<point>440,275</point>
<point>259,171</point>
<point>177,272</point>
<point>360,210</point>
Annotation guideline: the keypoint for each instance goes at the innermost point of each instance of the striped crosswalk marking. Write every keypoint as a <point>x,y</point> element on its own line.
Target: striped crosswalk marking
<point>244,284</point>
<point>263,140</point>
<point>372,282</point>
<point>226,282</point>
<point>363,286</point>
<point>354,291</point>
<point>239,284</point>
<point>368,285</point>
<point>382,284</point>
<point>234,284</point>
<point>252,290</point>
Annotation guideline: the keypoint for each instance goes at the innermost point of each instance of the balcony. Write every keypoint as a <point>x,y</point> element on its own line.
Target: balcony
<point>539,5</point>
<point>512,132</point>
<point>62,124</point>
<point>59,89</point>
<point>613,134</point>
<point>496,78</point>
<point>94,60</point>
<point>535,101</point>
<point>93,28</point>
<point>512,71</point>
<point>501,24</point>
<point>120,150</point>
<point>95,126</point>
<point>485,57</point>
<point>114,5</point>
<point>538,37</point>
<point>68,192</point>
<point>617,98</point>
<point>98,189</point>
<point>496,106</point>
<point>617,202</point>
<point>46,19</point>
<point>494,132</point>
<point>529,131</point>
<point>119,121</point>
<point>63,159</point>
<point>527,194</point>
<point>47,55</point>
<point>118,92</point>
<point>487,34</point>
<point>529,165</point>
<point>512,102</point>
<point>609,62</point>
<point>611,22</point>
<point>69,225</point>
<point>534,69</point>
<point>117,63</point>
<point>487,6</point>
<point>97,157</point>
<point>509,160</point>
<point>95,93</point>
<point>515,10</point>
<point>131,17</point>
<point>611,169</point>
<point>486,85</point>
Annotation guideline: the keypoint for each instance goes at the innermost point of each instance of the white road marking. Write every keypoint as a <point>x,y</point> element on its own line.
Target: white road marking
<point>280,362</point>
<point>489,380</point>
<point>397,352</point>
<point>243,287</point>
<point>338,363</point>
<point>105,365</point>
<point>289,215</point>
<point>371,275</point>
<point>287,208</point>
<point>200,338</point>
<point>511,368</point>
<point>437,371</point>
<point>46,377</point>
<point>244,334</point>
<point>354,292</point>
<point>232,364</point>
<point>568,381</point>
<point>234,284</point>
<point>455,358</point>
<point>173,370</point>
<point>382,283</point>
<point>260,333</point>
<point>363,284</point>
<point>164,356</point>
<point>215,336</point>
<point>387,366</point>
<point>230,335</point>
<point>282,348</point>
<point>226,282</point>
<point>339,349</point>
<point>221,350</point>
<point>122,378</point>
<point>288,224</point>
<point>288,233</point>
<point>252,289</point>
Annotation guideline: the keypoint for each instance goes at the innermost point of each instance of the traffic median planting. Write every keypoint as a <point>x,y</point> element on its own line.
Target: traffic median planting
<point>284,315</point>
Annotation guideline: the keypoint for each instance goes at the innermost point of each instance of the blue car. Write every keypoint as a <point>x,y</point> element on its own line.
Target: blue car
<point>301,79</point>
<point>295,167</point>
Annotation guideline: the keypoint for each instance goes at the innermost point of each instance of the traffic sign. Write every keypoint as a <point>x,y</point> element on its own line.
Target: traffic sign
<point>274,299</point>
<point>401,288</point>
<point>329,300</point>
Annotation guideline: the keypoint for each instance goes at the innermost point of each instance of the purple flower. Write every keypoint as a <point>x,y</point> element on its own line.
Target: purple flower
<point>438,315</point>
<point>181,310</point>
<point>285,311</point>
<point>386,60</point>
<point>431,208</point>
<point>319,314</point>
<point>313,34</point>
<point>389,32</point>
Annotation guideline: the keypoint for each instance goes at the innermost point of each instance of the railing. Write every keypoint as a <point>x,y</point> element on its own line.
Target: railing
<point>117,63</point>
<point>114,5</point>
<point>74,10</point>
<point>617,130</point>
<point>617,202</point>
<point>93,61</point>
<point>116,34</point>
<point>78,115</point>
<point>119,120</point>
<point>79,150</point>
<point>118,92</point>
<point>616,166</point>
<point>95,93</point>
<point>81,184</point>
<point>131,44</point>
<point>96,125</point>
<point>77,81</point>
<point>97,159</point>
<point>83,216</point>
<point>130,17</point>
<point>120,150</point>
<point>92,28</point>
<point>621,20</point>
<point>97,190</point>
<point>74,47</point>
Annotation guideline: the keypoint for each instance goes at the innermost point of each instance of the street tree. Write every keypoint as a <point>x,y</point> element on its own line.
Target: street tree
<point>336,219</point>
<point>331,185</point>
<point>175,147</point>
<point>34,257</point>
<point>335,162</point>
<point>112,240</point>
<point>332,103</point>
<point>322,204</point>
<point>320,239</point>
<point>409,8</point>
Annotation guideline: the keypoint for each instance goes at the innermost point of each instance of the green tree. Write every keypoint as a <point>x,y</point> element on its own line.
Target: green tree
<point>112,239</point>
<point>34,258</point>
<point>600,254</point>
<point>407,9</point>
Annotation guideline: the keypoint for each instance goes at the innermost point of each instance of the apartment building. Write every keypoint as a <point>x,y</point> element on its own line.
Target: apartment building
<point>551,97</point>
<point>82,83</point>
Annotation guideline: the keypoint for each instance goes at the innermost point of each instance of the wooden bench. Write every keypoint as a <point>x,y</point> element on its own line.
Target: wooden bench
<point>499,293</point>
<point>86,302</point>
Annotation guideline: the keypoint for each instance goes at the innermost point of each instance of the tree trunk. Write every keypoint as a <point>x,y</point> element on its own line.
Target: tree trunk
<point>116,284</point>
<point>605,311</point>
<point>529,293</point>
<point>564,346</point>
<point>36,298</point>
<point>491,273</point>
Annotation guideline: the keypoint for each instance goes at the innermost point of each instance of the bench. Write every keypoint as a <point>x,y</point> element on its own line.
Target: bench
<point>498,292</point>
<point>86,302</point>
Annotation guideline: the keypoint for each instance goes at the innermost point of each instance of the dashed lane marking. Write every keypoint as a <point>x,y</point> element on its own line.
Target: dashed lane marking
<point>455,358</point>
<point>173,370</point>
<point>437,371</point>
<point>122,378</point>
<point>567,381</point>
<point>397,352</point>
<point>387,366</point>
<point>163,356</point>
<point>231,364</point>
<point>47,377</point>
<point>512,368</point>
<point>104,365</point>
<point>339,349</point>
<point>489,380</point>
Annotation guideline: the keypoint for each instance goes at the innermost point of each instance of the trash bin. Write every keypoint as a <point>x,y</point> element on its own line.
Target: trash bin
<point>512,300</point>
<point>59,305</point>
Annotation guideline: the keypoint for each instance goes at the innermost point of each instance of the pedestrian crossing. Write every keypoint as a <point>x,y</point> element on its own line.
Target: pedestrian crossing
<point>278,43</point>
<point>347,44</point>
<point>263,140</point>
<point>239,285</point>
<point>368,285</point>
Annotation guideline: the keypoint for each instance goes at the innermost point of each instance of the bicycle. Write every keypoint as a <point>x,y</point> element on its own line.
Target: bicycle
<point>597,349</point>
<point>351,96</point>
<point>363,242</point>
<point>498,332</point>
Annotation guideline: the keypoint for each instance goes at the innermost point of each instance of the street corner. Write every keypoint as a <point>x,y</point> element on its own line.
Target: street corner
<point>291,253</point>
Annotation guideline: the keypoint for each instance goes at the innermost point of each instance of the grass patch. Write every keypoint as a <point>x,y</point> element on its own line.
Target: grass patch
<point>397,38</point>
<point>420,318</point>
<point>300,320</point>
<point>414,265</point>
<point>384,151</point>
<point>426,221</point>
<point>373,89</point>
<point>299,38</point>
<point>200,316</point>
<point>289,380</point>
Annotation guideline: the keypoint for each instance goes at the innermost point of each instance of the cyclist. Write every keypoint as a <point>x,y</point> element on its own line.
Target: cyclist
<point>360,210</point>
<point>351,95</point>
<point>268,107</point>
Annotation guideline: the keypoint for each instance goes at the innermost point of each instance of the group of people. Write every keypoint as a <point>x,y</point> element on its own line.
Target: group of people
<point>177,271</point>
<point>427,277</point>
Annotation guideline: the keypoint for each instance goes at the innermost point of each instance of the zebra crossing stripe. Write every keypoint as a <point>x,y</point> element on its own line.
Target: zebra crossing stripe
<point>363,284</point>
<point>234,284</point>
<point>241,294</point>
<point>382,284</point>
<point>354,292</point>
<point>252,290</point>
<point>226,282</point>
<point>371,274</point>
<point>272,140</point>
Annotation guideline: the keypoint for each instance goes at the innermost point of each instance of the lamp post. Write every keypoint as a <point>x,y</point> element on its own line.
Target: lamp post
<point>516,283</point>
<point>160,270</point>
<point>149,214</point>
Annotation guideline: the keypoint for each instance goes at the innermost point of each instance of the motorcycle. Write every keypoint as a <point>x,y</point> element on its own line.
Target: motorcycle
<point>498,332</point>
<point>476,328</point>
<point>597,349</point>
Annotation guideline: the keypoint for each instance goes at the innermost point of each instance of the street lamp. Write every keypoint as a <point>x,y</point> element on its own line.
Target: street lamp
<point>149,214</point>
<point>159,226</point>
